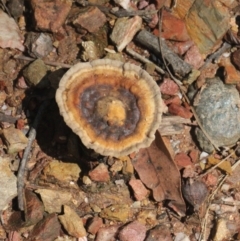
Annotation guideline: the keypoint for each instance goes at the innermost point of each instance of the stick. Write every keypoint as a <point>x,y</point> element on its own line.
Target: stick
<point>143,59</point>
<point>23,169</point>
<point>151,42</point>
<point>56,64</point>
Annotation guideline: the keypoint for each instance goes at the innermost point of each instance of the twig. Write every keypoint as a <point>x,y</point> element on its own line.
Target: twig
<point>179,83</point>
<point>56,64</point>
<point>204,223</point>
<point>124,13</point>
<point>218,164</point>
<point>143,59</point>
<point>23,169</point>
<point>216,54</point>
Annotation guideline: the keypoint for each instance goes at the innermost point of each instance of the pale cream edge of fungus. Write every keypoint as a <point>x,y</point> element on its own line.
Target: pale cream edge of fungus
<point>126,69</point>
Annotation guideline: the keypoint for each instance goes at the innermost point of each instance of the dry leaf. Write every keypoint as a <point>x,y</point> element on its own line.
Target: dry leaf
<point>225,166</point>
<point>158,172</point>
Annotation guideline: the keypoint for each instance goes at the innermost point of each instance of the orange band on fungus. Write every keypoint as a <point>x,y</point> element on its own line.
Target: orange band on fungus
<point>115,108</point>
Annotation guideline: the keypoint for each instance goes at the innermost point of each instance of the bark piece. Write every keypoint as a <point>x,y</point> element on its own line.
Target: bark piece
<point>34,208</point>
<point>50,15</point>
<point>8,183</point>
<point>91,19</point>
<point>151,42</point>
<point>72,223</point>
<point>124,31</point>
<point>46,230</point>
<point>15,140</point>
<point>206,21</point>
<point>9,33</point>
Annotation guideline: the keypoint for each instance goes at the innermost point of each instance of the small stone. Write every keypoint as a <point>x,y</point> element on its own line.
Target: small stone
<point>90,51</point>
<point>116,167</point>
<point>86,180</point>
<point>133,231</point>
<point>128,167</point>
<point>95,224</point>
<point>50,16</point>
<point>236,59</point>
<point>8,183</point>
<point>124,30</point>
<point>126,4</point>
<point>140,191</point>
<point>100,173</point>
<point>35,73</point>
<point>169,87</point>
<point>40,45</point>
<point>179,110</point>
<point>219,114</point>
<point>15,140</point>
<point>62,172</point>
<point>107,233</point>
<point>72,223</point>
<point>195,192</point>
<point>3,97</point>
<point>222,231</point>
<point>9,33</point>
<point>46,230</point>
<point>160,233</point>
<point>53,200</point>
<point>116,212</point>
<point>181,237</point>
<point>147,217</point>
<point>210,180</point>
<point>231,75</point>
<point>34,208</point>
<point>90,19</point>
<point>193,57</point>
<point>194,155</point>
<point>182,160</point>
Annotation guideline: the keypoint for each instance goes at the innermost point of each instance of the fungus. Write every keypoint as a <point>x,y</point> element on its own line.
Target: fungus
<point>115,108</point>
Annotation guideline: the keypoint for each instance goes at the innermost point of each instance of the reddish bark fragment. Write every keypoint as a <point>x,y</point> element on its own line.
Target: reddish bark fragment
<point>180,111</point>
<point>100,173</point>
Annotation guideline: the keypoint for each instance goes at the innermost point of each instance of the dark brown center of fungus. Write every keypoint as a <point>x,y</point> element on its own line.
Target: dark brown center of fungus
<point>112,113</point>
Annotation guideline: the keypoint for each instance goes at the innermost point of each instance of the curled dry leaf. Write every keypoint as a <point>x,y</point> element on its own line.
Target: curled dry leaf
<point>157,170</point>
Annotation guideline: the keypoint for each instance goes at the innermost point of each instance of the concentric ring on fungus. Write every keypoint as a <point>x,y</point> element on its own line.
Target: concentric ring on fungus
<point>114,107</point>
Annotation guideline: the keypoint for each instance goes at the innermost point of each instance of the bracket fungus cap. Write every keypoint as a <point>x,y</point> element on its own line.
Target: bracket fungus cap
<point>115,108</point>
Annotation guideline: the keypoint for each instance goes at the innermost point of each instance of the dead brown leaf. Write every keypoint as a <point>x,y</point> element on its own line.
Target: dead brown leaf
<point>157,170</point>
